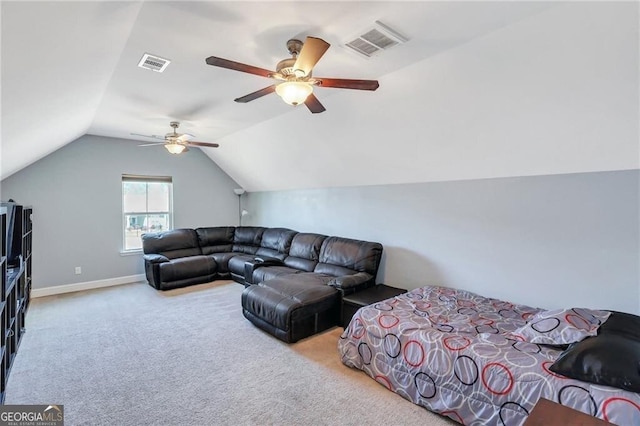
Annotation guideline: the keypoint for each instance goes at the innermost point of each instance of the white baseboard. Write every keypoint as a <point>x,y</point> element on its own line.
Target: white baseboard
<point>68,288</point>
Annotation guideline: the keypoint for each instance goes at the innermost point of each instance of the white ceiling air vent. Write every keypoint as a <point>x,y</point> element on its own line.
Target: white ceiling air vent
<point>153,62</point>
<point>375,40</point>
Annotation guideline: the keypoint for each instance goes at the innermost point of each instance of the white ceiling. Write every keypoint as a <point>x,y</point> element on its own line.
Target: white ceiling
<point>70,68</point>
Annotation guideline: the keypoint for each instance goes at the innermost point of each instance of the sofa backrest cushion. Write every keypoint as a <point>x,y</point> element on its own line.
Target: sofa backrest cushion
<point>172,244</point>
<point>276,242</point>
<point>246,239</point>
<point>218,239</point>
<point>344,256</point>
<point>305,251</point>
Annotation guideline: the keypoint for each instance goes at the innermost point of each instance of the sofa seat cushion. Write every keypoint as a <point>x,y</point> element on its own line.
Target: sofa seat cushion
<point>187,267</point>
<point>266,273</point>
<point>287,300</point>
<point>333,270</point>
<point>222,259</point>
<point>284,283</point>
<point>236,263</point>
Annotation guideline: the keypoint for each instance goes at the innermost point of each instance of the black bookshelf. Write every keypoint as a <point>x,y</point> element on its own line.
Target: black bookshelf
<point>3,304</point>
<point>15,291</point>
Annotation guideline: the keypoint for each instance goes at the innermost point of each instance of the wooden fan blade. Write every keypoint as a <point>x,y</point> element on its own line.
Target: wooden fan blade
<point>152,144</point>
<point>312,50</point>
<point>341,83</point>
<point>207,144</point>
<point>257,94</point>
<point>314,104</point>
<point>237,66</point>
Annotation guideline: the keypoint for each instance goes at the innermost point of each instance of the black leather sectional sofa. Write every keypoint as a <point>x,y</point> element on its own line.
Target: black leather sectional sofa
<point>294,281</point>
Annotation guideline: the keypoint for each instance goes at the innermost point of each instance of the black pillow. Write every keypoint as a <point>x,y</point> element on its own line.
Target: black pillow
<point>611,358</point>
<point>621,323</point>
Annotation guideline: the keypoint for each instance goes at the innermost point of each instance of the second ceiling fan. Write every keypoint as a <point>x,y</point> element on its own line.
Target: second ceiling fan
<point>175,142</point>
<point>296,85</point>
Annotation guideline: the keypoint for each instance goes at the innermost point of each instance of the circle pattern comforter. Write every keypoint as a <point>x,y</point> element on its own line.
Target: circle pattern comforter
<point>452,352</point>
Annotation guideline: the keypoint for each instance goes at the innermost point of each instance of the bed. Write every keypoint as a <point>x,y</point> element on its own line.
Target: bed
<point>467,357</point>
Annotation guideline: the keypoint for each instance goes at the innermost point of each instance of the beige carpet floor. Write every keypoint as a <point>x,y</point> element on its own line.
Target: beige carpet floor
<point>130,355</point>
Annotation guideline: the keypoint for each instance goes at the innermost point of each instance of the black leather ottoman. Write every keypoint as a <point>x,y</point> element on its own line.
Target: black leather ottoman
<point>292,307</point>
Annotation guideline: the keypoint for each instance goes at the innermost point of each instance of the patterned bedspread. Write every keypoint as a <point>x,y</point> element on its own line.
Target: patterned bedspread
<point>450,351</point>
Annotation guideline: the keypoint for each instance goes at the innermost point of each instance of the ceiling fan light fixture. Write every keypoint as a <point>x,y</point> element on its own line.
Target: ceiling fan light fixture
<point>175,148</point>
<point>294,92</point>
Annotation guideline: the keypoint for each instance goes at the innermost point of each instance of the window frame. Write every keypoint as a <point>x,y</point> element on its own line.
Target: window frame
<point>143,179</point>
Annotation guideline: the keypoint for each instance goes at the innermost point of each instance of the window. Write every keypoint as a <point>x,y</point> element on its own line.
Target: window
<point>146,207</point>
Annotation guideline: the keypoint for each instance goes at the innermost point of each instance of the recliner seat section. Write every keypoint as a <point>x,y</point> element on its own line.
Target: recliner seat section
<point>176,260</point>
<point>304,254</point>
<point>274,244</point>
<point>246,242</point>
<point>217,242</point>
<point>353,263</point>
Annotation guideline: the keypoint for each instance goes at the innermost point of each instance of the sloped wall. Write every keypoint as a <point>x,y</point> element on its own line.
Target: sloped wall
<point>554,93</point>
<point>76,194</point>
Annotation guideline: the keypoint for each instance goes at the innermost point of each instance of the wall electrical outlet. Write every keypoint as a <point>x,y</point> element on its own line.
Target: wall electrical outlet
<point>78,270</point>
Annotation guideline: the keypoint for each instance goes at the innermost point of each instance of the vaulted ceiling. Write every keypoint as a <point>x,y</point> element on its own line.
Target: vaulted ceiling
<point>481,89</point>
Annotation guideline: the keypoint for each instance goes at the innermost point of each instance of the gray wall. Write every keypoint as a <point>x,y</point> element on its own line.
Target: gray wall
<point>76,194</point>
<point>548,241</point>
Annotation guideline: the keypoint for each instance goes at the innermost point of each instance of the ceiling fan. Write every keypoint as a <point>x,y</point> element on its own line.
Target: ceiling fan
<point>176,142</point>
<point>296,85</point>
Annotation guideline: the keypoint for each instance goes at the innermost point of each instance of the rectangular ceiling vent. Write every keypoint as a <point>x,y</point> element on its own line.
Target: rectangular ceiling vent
<point>376,39</point>
<point>153,63</point>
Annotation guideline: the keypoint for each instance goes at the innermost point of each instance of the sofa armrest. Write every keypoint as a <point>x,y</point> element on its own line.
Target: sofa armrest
<point>350,282</point>
<point>268,261</point>
<point>155,258</point>
<point>152,268</point>
<point>257,262</point>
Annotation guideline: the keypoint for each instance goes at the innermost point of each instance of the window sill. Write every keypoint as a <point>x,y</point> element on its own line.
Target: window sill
<point>131,252</point>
